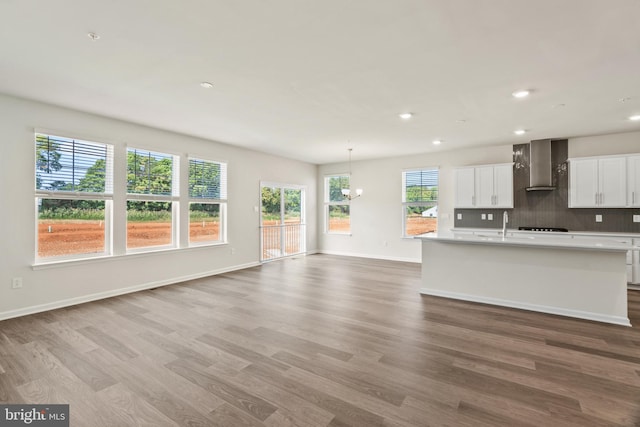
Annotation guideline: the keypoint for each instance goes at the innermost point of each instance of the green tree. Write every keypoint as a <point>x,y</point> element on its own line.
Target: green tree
<point>94,179</point>
<point>147,174</point>
<point>336,184</point>
<point>47,159</point>
<point>204,179</point>
<point>270,201</point>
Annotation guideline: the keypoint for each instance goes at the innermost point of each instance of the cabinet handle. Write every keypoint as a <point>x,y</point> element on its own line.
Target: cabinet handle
<point>473,200</point>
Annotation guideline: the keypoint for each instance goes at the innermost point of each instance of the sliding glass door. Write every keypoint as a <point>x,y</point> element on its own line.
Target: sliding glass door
<point>282,223</point>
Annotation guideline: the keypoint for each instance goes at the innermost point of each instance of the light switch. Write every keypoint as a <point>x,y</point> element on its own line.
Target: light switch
<point>459,216</point>
<point>598,218</point>
<point>483,217</point>
<point>636,218</point>
<point>490,217</point>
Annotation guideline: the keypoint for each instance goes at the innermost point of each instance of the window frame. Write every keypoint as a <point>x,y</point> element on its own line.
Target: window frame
<point>221,201</point>
<point>328,203</point>
<point>406,204</point>
<point>173,198</point>
<point>106,196</point>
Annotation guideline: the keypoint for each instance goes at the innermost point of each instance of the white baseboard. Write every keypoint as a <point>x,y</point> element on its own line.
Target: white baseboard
<point>386,258</point>
<point>115,292</point>
<point>616,320</point>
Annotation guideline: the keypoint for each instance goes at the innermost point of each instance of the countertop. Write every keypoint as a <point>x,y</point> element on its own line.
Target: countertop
<point>551,233</point>
<point>529,240</point>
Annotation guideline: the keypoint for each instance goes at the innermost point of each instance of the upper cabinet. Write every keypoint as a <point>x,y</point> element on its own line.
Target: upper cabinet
<point>633,180</point>
<point>487,186</point>
<point>598,182</point>
<point>465,196</point>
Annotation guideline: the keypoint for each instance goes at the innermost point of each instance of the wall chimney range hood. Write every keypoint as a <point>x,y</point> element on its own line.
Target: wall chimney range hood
<point>540,178</point>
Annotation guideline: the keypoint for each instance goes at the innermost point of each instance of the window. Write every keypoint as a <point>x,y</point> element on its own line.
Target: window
<point>74,191</point>
<point>207,201</point>
<point>419,201</point>
<point>152,190</point>
<point>336,206</point>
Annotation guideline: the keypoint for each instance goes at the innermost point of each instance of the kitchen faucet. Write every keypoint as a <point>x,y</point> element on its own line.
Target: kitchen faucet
<point>505,220</point>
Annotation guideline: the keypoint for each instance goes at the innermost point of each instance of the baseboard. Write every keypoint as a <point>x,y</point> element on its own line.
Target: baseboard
<point>386,258</point>
<point>616,320</point>
<point>122,291</point>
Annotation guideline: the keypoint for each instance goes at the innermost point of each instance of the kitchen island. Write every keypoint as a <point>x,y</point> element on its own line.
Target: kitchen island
<point>577,278</point>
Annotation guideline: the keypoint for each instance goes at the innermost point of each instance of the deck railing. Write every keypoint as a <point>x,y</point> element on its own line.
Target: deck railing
<point>282,240</point>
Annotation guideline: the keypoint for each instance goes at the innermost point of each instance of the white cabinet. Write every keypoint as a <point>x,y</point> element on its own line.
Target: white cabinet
<point>487,186</point>
<point>598,182</point>
<point>503,186</point>
<point>633,181</point>
<point>465,188</point>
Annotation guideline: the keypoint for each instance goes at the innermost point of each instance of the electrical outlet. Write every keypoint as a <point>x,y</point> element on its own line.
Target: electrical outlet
<point>384,243</point>
<point>16,283</point>
<point>636,218</point>
<point>490,217</point>
<point>483,217</point>
<point>233,251</point>
<point>598,218</point>
<point>459,216</point>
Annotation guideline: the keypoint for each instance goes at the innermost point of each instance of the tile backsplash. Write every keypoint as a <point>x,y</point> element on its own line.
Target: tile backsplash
<point>548,208</point>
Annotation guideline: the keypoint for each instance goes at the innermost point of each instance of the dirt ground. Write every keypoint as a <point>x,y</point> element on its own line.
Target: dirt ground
<point>415,225</point>
<point>82,237</point>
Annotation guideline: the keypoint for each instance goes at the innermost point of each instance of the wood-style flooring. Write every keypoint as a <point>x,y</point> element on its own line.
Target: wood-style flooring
<point>320,341</point>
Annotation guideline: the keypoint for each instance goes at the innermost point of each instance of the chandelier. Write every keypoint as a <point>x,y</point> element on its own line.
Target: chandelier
<point>346,192</point>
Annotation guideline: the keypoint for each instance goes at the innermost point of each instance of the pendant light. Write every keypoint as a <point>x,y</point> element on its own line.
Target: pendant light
<point>346,192</point>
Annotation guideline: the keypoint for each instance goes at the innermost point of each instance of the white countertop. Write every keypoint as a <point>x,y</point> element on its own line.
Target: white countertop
<point>529,240</point>
<point>552,233</point>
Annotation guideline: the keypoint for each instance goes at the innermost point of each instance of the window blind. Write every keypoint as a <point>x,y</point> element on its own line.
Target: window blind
<point>420,185</point>
<point>72,165</point>
<point>149,172</point>
<point>207,179</point>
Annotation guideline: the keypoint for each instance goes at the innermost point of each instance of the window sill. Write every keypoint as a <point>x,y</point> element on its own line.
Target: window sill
<point>336,234</point>
<point>44,265</point>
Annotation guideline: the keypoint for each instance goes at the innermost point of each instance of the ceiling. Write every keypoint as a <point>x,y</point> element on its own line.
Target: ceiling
<point>308,79</point>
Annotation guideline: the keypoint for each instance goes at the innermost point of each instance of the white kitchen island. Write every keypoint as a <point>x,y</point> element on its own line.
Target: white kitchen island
<point>577,278</point>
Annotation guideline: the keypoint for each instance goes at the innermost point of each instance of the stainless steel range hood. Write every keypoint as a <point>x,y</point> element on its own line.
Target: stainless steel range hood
<point>540,178</point>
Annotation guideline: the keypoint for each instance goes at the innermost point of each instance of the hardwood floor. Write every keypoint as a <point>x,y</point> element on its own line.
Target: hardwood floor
<point>320,341</point>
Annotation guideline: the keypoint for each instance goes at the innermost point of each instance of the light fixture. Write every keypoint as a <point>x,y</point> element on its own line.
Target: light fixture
<point>519,132</point>
<point>437,142</point>
<point>346,192</point>
<point>206,85</point>
<point>405,116</point>
<point>520,94</point>
<point>635,118</point>
<point>93,36</point>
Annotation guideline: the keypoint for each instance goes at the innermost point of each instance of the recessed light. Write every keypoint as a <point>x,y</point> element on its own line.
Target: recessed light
<point>406,116</point>
<point>206,85</point>
<point>437,142</point>
<point>635,118</point>
<point>93,36</point>
<point>625,99</point>
<point>520,94</point>
<point>519,132</point>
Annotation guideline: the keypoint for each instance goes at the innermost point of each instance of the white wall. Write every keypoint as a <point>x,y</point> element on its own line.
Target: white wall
<point>602,145</point>
<point>376,217</point>
<point>74,282</point>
